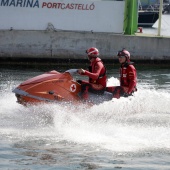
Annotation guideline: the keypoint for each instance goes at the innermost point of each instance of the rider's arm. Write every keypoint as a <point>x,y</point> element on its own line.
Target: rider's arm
<point>96,73</point>
<point>132,78</point>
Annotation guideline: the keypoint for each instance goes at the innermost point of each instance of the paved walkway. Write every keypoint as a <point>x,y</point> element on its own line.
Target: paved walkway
<point>165,28</point>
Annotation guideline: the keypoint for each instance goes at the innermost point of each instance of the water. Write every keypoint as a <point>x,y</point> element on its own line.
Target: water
<point>129,133</point>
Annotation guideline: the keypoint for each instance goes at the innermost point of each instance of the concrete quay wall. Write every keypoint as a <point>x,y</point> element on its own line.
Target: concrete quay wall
<point>72,45</point>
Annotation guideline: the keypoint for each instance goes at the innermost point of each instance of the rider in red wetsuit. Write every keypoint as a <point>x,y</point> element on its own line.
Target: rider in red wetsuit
<point>128,77</point>
<point>96,74</point>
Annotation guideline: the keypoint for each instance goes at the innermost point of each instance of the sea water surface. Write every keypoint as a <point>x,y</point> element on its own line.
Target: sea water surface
<point>130,133</point>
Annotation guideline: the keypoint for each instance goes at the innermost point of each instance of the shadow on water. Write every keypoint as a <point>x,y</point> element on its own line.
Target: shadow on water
<point>65,64</point>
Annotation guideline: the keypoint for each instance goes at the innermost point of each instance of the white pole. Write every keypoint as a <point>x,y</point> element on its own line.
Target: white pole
<point>160,17</point>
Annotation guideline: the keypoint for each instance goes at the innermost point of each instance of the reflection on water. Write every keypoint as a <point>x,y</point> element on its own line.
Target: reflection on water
<point>129,133</point>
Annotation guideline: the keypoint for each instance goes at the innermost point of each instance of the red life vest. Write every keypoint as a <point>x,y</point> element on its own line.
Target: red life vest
<point>101,79</point>
<point>128,77</point>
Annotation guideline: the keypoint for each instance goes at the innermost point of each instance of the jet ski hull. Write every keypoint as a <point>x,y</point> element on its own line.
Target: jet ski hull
<point>54,86</point>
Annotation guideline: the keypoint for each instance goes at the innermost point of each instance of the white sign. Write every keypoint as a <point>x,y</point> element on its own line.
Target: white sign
<point>74,15</point>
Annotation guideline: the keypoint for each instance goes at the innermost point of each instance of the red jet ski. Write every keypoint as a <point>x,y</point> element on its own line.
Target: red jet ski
<point>54,86</point>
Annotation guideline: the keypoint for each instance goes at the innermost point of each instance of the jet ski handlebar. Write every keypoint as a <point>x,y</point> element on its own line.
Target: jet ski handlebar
<point>71,71</point>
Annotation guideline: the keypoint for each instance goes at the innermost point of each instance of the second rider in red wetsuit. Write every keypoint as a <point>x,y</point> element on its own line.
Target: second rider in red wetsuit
<point>128,77</point>
<point>96,74</point>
